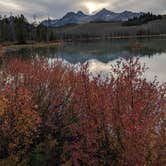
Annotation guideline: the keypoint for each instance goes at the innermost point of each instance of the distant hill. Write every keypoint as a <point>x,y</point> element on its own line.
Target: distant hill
<point>110,29</point>
<point>102,16</point>
<point>143,19</point>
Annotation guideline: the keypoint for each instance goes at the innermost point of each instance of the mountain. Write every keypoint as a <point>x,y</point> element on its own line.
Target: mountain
<point>49,23</point>
<point>104,15</point>
<point>124,16</point>
<point>78,18</point>
<point>72,18</point>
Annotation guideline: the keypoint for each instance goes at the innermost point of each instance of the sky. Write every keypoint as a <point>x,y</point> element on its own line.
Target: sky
<point>57,8</point>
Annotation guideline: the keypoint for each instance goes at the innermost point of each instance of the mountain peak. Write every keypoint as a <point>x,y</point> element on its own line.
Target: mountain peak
<point>69,14</point>
<point>105,11</point>
<point>127,11</point>
<point>103,15</point>
<point>80,13</point>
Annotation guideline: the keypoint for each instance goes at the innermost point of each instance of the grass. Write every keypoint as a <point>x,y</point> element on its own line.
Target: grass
<point>42,44</point>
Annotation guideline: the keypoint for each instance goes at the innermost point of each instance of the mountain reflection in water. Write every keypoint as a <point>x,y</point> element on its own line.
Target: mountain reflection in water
<point>100,55</point>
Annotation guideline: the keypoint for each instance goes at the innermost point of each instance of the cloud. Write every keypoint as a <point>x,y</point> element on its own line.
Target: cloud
<point>57,8</point>
<point>9,4</point>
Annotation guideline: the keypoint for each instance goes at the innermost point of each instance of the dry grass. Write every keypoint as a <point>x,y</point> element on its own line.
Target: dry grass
<point>41,44</point>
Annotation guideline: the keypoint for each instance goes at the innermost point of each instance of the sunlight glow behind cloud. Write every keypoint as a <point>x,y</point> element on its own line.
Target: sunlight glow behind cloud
<point>56,9</point>
<point>93,6</point>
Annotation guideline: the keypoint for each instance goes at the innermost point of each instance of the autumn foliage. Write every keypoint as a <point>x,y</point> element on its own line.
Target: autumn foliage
<point>53,114</point>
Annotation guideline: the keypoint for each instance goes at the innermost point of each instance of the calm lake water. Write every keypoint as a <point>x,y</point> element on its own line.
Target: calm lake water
<point>101,54</point>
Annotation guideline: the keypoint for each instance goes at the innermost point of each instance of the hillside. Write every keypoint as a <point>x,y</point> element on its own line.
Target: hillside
<point>113,29</point>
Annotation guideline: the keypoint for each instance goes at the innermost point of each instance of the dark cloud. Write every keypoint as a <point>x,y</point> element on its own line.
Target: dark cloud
<point>57,8</point>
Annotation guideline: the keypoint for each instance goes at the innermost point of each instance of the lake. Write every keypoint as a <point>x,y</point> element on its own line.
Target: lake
<point>101,54</point>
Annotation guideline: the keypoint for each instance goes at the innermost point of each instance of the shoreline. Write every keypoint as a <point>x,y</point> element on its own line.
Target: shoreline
<point>8,45</point>
<point>116,37</point>
<point>35,44</point>
<point>5,47</point>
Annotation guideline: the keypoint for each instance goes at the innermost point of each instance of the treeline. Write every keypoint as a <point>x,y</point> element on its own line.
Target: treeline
<point>18,29</point>
<point>143,19</point>
<point>52,115</point>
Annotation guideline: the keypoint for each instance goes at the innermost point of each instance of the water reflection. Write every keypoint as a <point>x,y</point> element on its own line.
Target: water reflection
<point>100,55</point>
<point>156,67</point>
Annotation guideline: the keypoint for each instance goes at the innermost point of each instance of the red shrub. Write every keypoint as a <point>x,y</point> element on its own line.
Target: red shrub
<point>119,121</point>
